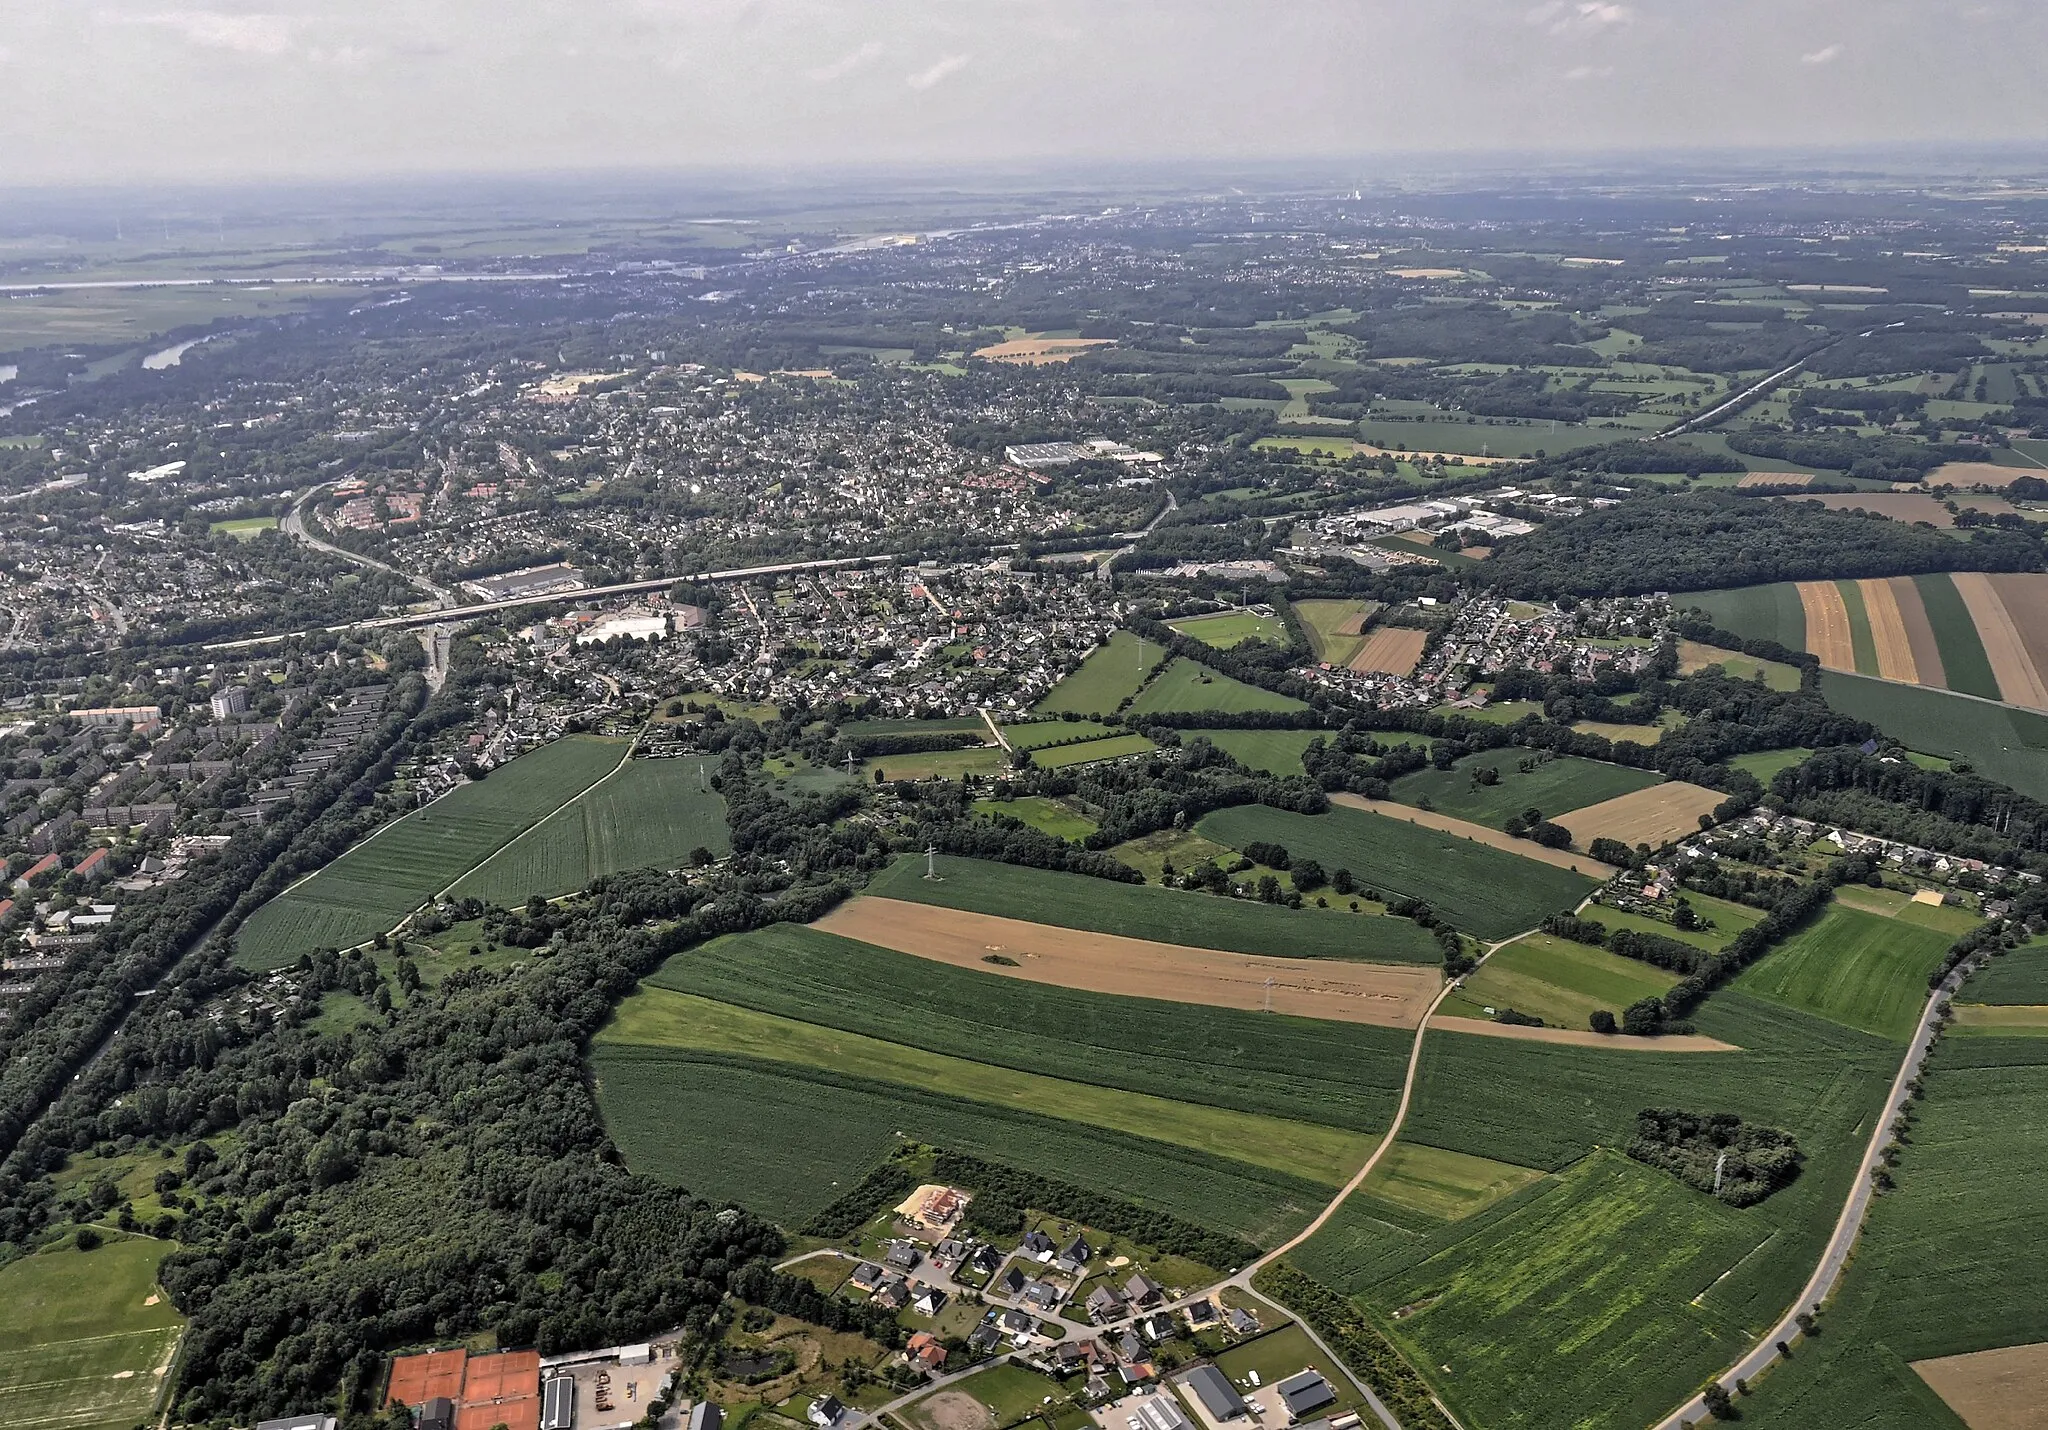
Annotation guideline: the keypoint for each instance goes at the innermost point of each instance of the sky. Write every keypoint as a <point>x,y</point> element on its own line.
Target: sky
<point>118,91</point>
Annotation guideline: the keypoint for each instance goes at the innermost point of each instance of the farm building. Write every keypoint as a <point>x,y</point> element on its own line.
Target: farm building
<point>1159,1412</point>
<point>1304,1393</point>
<point>1218,1396</point>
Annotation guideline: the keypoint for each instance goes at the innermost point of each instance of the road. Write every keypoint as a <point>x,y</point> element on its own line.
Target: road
<point>1749,394</point>
<point>293,524</point>
<point>1847,1226</point>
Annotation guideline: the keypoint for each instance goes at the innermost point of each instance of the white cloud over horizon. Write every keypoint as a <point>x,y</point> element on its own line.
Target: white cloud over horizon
<point>200,89</point>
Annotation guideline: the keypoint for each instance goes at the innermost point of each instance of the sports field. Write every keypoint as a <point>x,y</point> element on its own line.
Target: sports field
<point>1859,968</point>
<point>1552,786</point>
<point>371,887</point>
<point>1147,912</point>
<point>1387,995</point>
<point>1226,628</point>
<point>1185,686</point>
<point>1651,816</point>
<point>1558,981</point>
<point>87,1336</point>
<point>652,813</point>
<point>1109,676</point>
<point>1486,892</point>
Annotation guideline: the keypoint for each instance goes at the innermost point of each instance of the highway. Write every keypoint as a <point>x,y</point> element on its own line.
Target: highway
<point>1848,1225</point>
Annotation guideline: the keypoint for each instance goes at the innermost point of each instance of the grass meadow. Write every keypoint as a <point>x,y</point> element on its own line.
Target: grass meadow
<point>1049,816</point>
<point>1037,734</point>
<point>1339,1075</point>
<point>1185,687</point>
<point>1859,968</point>
<point>1323,620</point>
<point>82,1343</point>
<point>651,813</point>
<point>372,886</point>
<point>1105,679</point>
<point>1484,891</point>
<point>1116,747</point>
<point>1145,911</point>
<point>1273,752</point>
<point>1557,980</point>
<point>1555,786</point>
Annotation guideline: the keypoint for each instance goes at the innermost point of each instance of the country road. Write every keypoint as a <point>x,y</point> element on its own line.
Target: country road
<point>1848,1226</point>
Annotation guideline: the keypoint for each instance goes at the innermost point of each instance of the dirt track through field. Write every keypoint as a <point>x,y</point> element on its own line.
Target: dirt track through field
<point>1827,625</point>
<point>1584,1037</point>
<point>1392,649</point>
<point>1645,816</point>
<point>2019,681</point>
<point>1388,995</point>
<point>1888,631</point>
<point>1992,1390</point>
<point>1432,819</point>
<point>1919,632</point>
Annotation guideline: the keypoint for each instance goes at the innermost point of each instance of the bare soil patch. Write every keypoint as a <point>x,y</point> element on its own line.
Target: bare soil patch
<point>1888,631</point>
<point>1492,838</point>
<point>1919,632</point>
<point>1383,994</point>
<point>2019,680</point>
<point>1037,351</point>
<point>1392,649</point>
<point>1827,625</point>
<point>955,1410</point>
<point>1586,1037</point>
<point>1992,1390</point>
<point>1647,816</point>
<point>1978,474</point>
<point>1775,479</point>
<point>2025,598</point>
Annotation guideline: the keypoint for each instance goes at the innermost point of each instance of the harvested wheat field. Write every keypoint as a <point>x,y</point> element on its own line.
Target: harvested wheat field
<point>1383,994</point>
<point>1648,816</point>
<point>1827,625</point>
<point>1920,638</point>
<point>1480,833</point>
<point>1888,629</point>
<point>1390,649</point>
<point>1907,507</point>
<point>1978,474</point>
<point>1585,1037</point>
<point>1992,1390</point>
<point>1036,351</point>
<point>1775,479</point>
<point>2008,611</point>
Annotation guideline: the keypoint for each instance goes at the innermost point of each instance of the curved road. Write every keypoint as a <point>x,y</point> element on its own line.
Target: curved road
<point>1847,1226</point>
<point>293,523</point>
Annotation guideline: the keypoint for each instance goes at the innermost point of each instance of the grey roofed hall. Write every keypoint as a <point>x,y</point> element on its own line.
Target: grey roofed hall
<point>1305,1392</point>
<point>1218,1396</point>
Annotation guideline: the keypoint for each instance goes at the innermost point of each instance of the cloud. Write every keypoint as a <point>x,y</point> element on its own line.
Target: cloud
<point>217,30</point>
<point>1589,72</point>
<point>848,63</point>
<point>926,78</point>
<point>1825,56</point>
<point>1563,18</point>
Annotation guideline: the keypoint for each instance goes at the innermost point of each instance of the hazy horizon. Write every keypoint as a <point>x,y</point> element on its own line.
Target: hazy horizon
<point>315,90</point>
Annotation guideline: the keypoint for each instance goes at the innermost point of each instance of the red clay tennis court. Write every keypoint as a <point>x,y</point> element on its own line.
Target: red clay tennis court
<point>489,1390</point>
<point>418,1379</point>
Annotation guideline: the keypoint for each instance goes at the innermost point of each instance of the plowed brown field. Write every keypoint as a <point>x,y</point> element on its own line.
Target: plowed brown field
<point>1389,995</point>
<point>1992,1390</point>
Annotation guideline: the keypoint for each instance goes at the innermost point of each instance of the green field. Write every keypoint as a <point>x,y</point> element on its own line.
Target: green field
<point>1320,620</point>
<point>1728,919</point>
<point>661,1018</point>
<point>1288,1351</point>
<point>244,528</point>
<point>1766,763</point>
<point>1339,1075</point>
<point>652,813</point>
<point>81,1347</point>
<point>1861,643</point>
<point>1010,1392</point>
<point>1558,981</point>
<point>1185,687</point>
<point>785,1139</point>
<point>1964,666</point>
<point>939,764</point>
<point>1105,679</point>
<point>1440,1185</point>
<point>1047,815</point>
<point>1554,786</point>
<point>1273,752</point>
<point>2018,978</point>
<point>1771,613</point>
<point>1602,1297</point>
<point>2005,744</point>
<point>1484,891</point>
<point>372,886</point>
<point>1694,657</point>
<point>1039,733</point>
<point>1089,751</point>
<point>1954,1260</point>
<point>1227,628</point>
<point>1144,911</point>
<point>1858,968</point>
